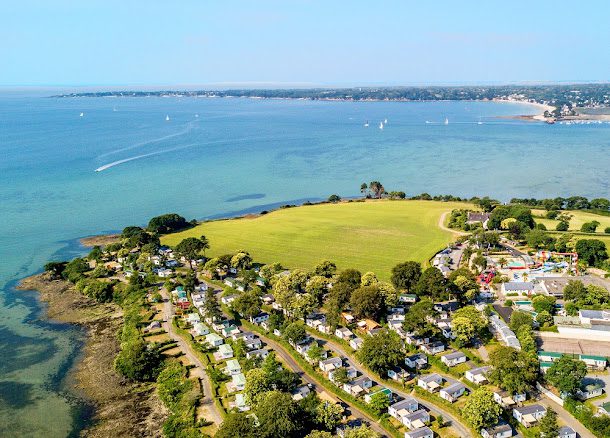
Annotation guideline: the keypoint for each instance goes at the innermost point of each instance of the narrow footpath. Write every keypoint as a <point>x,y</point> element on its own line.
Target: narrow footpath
<point>207,402</point>
<point>566,417</point>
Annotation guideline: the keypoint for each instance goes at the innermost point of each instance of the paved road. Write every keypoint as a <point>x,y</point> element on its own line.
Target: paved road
<point>207,401</point>
<point>567,418</point>
<point>462,430</point>
<point>294,366</point>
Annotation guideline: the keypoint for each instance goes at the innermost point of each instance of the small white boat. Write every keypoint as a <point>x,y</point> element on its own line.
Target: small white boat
<point>196,116</point>
<point>446,121</point>
<point>82,114</point>
<point>114,110</point>
<point>167,118</point>
<point>428,122</point>
<point>381,125</point>
<point>385,121</point>
<point>366,124</point>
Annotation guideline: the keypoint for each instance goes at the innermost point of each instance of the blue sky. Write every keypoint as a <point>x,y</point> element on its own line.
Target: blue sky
<point>300,43</point>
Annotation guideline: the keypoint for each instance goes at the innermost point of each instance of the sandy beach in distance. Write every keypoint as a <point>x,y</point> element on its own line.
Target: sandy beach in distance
<point>538,117</point>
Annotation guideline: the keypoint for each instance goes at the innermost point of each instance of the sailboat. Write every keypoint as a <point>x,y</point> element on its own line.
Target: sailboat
<point>479,122</point>
<point>366,124</point>
<point>82,114</point>
<point>167,118</point>
<point>385,121</point>
<point>446,121</point>
<point>196,116</point>
<point>381,125</point>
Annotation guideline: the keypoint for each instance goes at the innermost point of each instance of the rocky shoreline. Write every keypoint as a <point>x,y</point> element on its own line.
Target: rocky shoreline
<point>121,408</point>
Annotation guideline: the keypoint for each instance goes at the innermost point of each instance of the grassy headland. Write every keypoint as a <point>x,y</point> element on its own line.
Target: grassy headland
<point>372,235</point>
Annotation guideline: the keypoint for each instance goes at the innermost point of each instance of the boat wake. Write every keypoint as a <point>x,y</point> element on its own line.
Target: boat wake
<point>139,157</point>
<point>148,142</point>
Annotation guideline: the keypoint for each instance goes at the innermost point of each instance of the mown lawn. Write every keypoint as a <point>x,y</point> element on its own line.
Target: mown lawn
<point>369,236</point>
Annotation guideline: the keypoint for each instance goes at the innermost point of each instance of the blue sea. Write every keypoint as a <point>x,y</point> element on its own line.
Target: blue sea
<point>221,156</point>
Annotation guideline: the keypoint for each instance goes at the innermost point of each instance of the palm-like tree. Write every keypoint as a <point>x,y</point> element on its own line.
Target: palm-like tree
<point>205,243</point>
<point>363,188</point>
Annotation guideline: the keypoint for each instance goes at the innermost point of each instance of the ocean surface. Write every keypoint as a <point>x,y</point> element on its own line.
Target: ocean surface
<point>220,156</point>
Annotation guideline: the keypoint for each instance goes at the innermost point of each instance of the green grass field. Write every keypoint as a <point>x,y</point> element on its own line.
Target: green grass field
<point>579,217</point>
<point>369,236</point>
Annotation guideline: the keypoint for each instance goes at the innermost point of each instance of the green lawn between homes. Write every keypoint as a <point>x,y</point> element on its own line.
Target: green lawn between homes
<point>369,236</point>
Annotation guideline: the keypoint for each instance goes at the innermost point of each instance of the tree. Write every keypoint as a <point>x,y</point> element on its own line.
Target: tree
<point>432,284</point>
<point>315,353</point>
<point>566,374</point>
<point>74,270</point>
<point>367,301</point>
<point>600,204</point>
<point>481,410</point>
<point>241,260</point>
<point>248,304</point>
<point>55,269</point>
<point>317,286</point>
<point>607,230</point>
<point>542,303</point>
<point>350,277</point>
<point>575,290</point>
<point>389,294</point>
<point>406,275</point>
<point>319,434</point>
<point>417,318</point>
<point>377,188</point>
<point>591,251</point>
<point>463,329</point>
<point>519,318</point>
<point>381,351</point>
<point>379,403</point>
<point>340,376</point>
<point>544,318</point>
<point>295,332</point>
<point>334,198</point>
<point>368,279</point>
<point>328,415</point>
<point>303,305</point>
<point>96,253</point>
<point>211,308</point>
<point>278,415</point>
<point>189,248</point>
<point>268,271</point>
<point>562,226</point>
<point>363,431</point>
<point>257,383</point>
<point>589,227</point>
<point>549,428</point>
<point>167,223</point>
<point>538,239</point>
<point>363,188</point>
<point>513,370</point>
<point>237,425</point>
<point>325,268</point>
<point>137,361</point>
<point>205,243</point>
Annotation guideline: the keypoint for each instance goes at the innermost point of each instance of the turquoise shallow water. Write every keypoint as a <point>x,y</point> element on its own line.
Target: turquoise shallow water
<point>237,155</point>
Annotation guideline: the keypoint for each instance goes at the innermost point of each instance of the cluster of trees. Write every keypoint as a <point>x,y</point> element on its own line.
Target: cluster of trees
<point>168,223</point>
<point>559,203</point>
<point>515,218</point>
<point>268,392</point>
<point>191,248</point>
<point>579,295</point>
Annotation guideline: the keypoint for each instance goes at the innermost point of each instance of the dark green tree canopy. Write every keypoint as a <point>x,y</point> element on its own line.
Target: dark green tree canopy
<point>406,275</point>
<point>167,223</point>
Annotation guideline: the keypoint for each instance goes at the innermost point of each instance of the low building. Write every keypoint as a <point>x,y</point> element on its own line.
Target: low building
<point>477,375</point>
<point>403,407</point>
<point>433,347</point>
<point>498,431</point>
<point>452,392</point>
<point>262,353</point>
<point>398,374</point>
<point>240,403</point>
<point>566,432</point>
<point>589,390</point>
<point>407,298</point>
<point>300,393</point>
<point>238,382</point>
<point>549,356</point>
<point>224,352</point>
<point>344,333</point>
<point>430,382</point>
<point>253,344</point>
<point>416,361</point>
<point>453,359</point>
<point>358,386</point>
<point>604,409</point>
<point>594,362</point>
<point>517,287</point>
<point>422,432</point>
<point>529,415</point>
<point>258,319</point>
<point>330,364</point>
<point>355,343</point>
<point>350,373</point>
<point>416,419</point>
<point>233,367</point>
<point>200,329</point>
<point>214,340</point>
